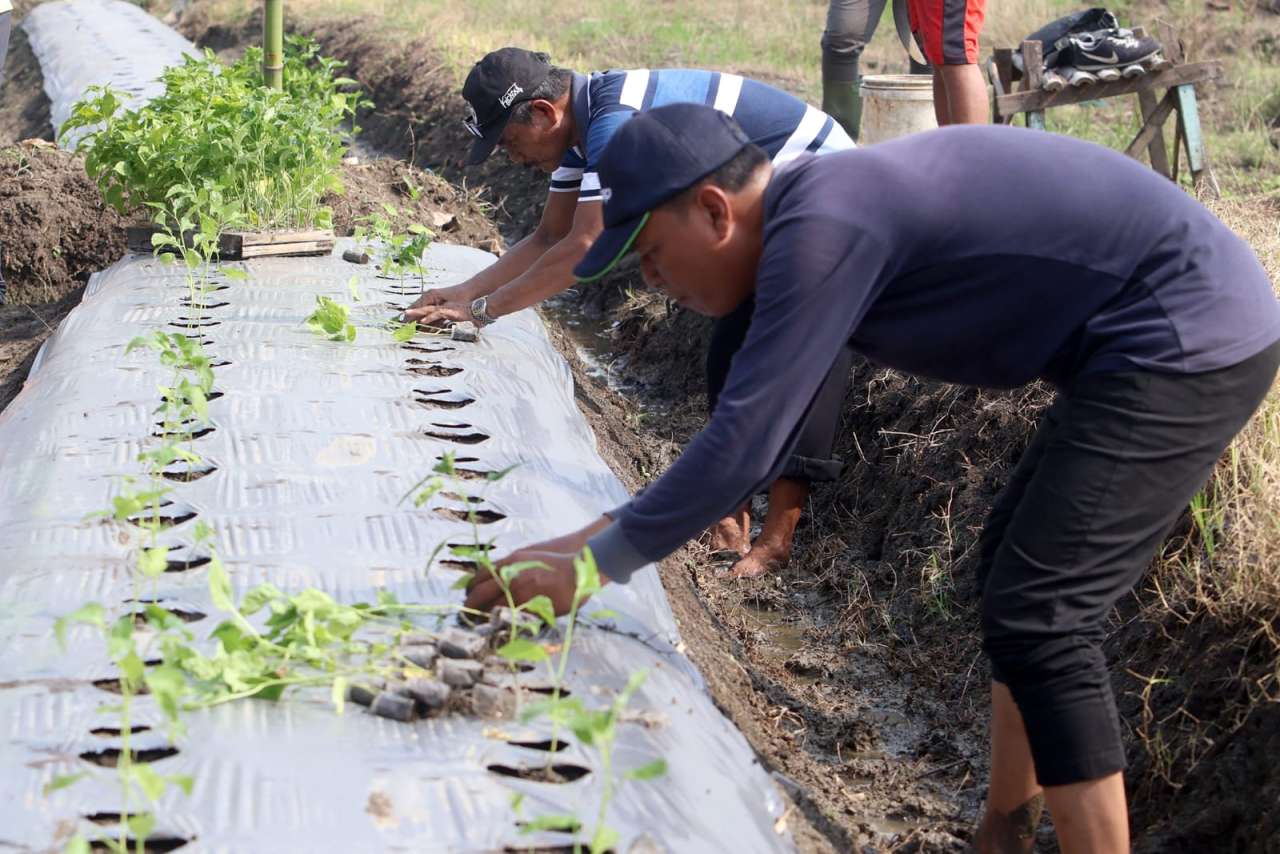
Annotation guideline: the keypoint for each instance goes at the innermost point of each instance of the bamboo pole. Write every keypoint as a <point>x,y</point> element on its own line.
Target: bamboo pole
<point>273,44</point>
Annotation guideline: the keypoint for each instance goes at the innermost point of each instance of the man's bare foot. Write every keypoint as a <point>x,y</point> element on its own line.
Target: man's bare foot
<point>763,557</point>
<point>733,533</point>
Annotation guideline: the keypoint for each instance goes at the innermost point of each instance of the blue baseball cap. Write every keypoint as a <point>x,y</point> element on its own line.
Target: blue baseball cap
<point>653,157</point>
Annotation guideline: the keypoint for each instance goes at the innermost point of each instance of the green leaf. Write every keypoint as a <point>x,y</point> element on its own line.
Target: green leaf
<point>185,782</point>
<point>258,597</point>
<point>220,586</point>
<point>91,613</point>
<point>543,608</point>
<point>404,332</point>
<point>167,684</point>
<point>522,649</point>
<point>62,781</point>
<point>233,273</point>
<point>604,838</point>
<point>142,825</point>
<point>153,562</point>
<point>132,667</point>
<point>78,845</point>
<point>511,570</point>
<point>339,694</point>
<point>648,771</point>
<point>558,822</point>
<point>151,783</point>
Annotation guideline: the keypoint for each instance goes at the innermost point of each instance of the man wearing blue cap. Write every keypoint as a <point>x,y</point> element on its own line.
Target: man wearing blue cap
<point>561,121</point>
<point>1160,332</point>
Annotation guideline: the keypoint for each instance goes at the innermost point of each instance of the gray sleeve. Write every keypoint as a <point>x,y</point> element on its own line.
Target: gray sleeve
<point>615,557</point>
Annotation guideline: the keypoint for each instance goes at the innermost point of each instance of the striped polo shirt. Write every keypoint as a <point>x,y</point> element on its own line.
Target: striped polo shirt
<point>783,125</point>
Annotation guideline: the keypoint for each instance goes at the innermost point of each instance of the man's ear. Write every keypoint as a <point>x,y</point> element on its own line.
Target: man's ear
<point>543,114</point>
<point>714,204</point>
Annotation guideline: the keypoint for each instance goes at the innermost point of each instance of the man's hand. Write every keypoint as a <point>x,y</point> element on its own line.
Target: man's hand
<point>555,579</point>
<point>458,293</point>
<point>439,314</point>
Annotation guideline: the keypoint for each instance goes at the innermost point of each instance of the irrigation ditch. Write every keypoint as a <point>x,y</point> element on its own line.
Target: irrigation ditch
<point>854,673</point>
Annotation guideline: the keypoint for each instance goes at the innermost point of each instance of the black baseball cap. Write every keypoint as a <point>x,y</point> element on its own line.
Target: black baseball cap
<point>654,157</point>
<point>495,85</point>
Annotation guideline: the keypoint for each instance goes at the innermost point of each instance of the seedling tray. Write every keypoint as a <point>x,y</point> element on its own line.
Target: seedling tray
<point>238,245</point>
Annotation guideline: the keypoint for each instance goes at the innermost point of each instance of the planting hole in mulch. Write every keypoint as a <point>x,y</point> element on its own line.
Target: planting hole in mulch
<point>112,686</point>
<point>437,371</point>
<point>423,348</point>
<point>116,732</point>
<point>185,473</point>
<point>204,306</point>
<point>108,819</point>
<point>547,746</point>
<point>563,773</point>
<point>442,403</point>
<point>461,565</point>
<point>482,517</point>
<point>153,845</point>
<point>194,322</point>
<point>547,849</point>
<point>453,496</point>
<point>178,565</point>
<point>165,519</point>
<point>182,433</point>
<point>186,616</point>
<point>460,438</point>
<point>109,757</point>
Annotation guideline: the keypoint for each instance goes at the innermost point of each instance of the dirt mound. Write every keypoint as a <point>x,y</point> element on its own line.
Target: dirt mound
<point>423,197</point>
<point>54,226</point>
<point>24,108</point>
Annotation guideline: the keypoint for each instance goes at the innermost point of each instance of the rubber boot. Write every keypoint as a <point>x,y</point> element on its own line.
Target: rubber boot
<point>842,101</point>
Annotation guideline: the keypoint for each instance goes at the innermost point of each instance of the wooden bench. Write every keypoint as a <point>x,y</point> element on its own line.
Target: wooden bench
<point>1177,80</point>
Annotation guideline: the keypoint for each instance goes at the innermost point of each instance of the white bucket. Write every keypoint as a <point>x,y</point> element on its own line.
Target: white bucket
<point>895,105</point>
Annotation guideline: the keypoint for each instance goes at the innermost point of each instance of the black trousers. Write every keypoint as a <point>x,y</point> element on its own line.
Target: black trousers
<point>1113,464</point>
<point>814,457</point>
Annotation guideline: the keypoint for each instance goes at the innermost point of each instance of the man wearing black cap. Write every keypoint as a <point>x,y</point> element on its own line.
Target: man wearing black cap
<point>1160,331</point>
<point>561,121</point>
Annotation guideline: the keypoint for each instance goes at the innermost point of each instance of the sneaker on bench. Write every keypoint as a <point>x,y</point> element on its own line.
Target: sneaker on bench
<point>1109,49</point>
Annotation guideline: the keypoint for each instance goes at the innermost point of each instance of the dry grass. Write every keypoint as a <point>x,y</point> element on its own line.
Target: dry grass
<point>1230,568</point>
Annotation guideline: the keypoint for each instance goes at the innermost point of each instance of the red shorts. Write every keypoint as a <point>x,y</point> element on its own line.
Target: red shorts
<point>948,29</point>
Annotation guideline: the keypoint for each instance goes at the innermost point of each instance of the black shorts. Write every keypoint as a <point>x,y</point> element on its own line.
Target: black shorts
<point>1114,463</point>
<point>813,457</point>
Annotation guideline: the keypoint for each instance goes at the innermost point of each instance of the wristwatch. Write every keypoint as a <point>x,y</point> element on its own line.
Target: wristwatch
<point>479,313</point>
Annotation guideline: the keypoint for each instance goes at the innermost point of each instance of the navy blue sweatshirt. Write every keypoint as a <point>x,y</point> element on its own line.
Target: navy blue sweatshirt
<point>987,256</point>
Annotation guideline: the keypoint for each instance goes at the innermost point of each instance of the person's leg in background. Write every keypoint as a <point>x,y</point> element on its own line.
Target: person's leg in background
<point>948,31</point>
<point>1110,470</point>
<point>813,458</point>
<point>850,25</point>
<point>6,18</point>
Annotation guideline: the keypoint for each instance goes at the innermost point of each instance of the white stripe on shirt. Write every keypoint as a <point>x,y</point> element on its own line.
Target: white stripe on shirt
<point>727,94</point>
<point>806,132</point>
<point>566,174</point>
<point>633,89</point>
